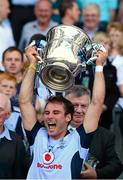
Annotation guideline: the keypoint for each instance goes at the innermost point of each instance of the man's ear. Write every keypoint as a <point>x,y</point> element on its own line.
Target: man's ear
<point>68,117</point>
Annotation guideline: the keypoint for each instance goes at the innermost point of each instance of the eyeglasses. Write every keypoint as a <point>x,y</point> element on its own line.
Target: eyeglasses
<point>91,15</point>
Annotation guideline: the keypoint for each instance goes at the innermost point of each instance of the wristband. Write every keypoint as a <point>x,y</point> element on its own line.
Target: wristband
<point>99,68</point>
<point>32,67</point>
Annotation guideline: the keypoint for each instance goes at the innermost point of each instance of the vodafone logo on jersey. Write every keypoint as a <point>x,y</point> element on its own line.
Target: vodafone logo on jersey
<point>51,166</point>
<point>48,157</point>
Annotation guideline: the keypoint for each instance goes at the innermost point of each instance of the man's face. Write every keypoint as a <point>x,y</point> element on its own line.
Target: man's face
<point>8,87</point>
<point>4,9</point>
<point>80,108</point>
<point>55,120</point>
<point>43,11</point>
<point>75,12</point>
<point>13,62</point>
<point>91,17</point>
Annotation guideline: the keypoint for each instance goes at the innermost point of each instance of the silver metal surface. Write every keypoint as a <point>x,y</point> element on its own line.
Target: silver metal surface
<point>65,54</point>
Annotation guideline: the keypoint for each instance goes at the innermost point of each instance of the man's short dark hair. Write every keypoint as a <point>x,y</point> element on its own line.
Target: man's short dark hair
<point>68,106</point>
<point>65,4</point>
<point>11,49</point>
<point>78,90</point>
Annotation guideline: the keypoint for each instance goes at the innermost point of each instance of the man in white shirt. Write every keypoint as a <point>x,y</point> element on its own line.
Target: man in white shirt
<point>6,36</point>
<point>42,24</point>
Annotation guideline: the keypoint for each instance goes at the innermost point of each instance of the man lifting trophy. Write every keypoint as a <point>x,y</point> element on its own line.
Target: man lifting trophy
<point>59,152</point>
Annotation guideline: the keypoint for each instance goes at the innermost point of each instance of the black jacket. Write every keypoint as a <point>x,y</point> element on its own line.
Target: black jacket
<point>102,148</point>
<point>14,162</point>
<point>112,93</point>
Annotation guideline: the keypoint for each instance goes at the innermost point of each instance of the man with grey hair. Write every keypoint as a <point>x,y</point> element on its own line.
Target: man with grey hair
<point>103,162</point>
<point>91,20</point>
<point>80,97</point>
<point>13,162</point>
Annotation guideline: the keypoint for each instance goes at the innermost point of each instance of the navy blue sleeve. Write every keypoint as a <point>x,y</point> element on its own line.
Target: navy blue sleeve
<point>32,134</point>
<point>85,138</point>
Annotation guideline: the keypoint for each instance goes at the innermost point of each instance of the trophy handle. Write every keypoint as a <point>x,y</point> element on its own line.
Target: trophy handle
<point>95,48</point>
<point>80,67</point>
<point>37,73</point>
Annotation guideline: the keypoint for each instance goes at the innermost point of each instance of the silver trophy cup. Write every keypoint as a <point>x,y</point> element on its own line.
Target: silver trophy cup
<point>67,50</point>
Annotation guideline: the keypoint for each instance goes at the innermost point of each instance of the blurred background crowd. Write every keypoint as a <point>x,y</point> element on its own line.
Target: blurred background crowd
<point>102,20</point>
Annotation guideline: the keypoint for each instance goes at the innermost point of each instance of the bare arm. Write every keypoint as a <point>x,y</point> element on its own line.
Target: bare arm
<point>95,108</point>
<point>26,92</point>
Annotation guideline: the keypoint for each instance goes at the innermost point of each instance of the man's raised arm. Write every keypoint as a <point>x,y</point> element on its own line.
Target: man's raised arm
<point>95,108</point>
<point>26,93</point>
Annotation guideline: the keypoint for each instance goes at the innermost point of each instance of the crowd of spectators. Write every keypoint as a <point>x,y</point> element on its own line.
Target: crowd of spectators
<point>20,23</point>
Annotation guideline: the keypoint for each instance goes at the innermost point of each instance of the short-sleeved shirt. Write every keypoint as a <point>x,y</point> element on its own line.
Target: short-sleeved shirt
<point>30,29</point>
<point>69,154</point>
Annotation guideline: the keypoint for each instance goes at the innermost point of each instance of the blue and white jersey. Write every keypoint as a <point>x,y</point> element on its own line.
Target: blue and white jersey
<point>69,153</point>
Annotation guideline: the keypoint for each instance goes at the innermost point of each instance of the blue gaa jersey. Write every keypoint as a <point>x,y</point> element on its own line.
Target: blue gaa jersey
<point>60,161</point>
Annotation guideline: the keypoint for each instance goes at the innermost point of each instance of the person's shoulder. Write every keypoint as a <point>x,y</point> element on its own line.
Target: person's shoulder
<point>117,59</point>
<point>37,129</point>
<point>120,68</point>
<point>53,23</point>
<point>30,24</point>
<point>79,24</point>
<point>14,136</point>
<point>42,130</point>
<point>109,69</point>
<point>104,132</point>
<point>103,137</point>
<point>102,27</point>
<point>6,22</point>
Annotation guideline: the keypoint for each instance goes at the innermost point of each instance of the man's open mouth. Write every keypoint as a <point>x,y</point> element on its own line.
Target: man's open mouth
<point>51,126</point>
